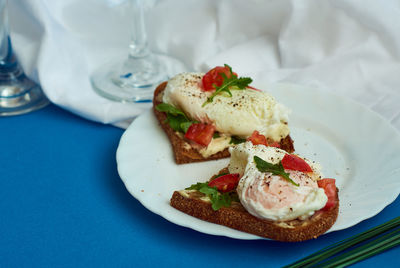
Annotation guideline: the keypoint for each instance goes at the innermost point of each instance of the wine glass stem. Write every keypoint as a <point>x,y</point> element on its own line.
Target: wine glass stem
<point>138,43</point>
<point>5,45</point>
<point>9,67</point>
<point>18,94</point>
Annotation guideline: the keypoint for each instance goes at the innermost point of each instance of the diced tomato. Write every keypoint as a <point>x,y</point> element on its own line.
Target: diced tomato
<point>274,144</point>
<point>256,138</point>
<point>293,162</point>
<point>200,133</point>
<point>214,77</point>
<point>225,183</point>
<point>330,190</point>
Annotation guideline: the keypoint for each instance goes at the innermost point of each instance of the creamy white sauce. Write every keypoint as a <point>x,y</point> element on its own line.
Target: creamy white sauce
<point>216,145</point>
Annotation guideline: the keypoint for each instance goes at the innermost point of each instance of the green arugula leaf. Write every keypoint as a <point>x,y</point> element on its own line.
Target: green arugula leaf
<point>185,126</point>
<point>170,109</point>
<point>175,117</point>
<point>197,186</point>
<point>207,190</point>
<point>216,135</point>
<point>233,82</point>
<point>218,199</point>
<point>276,169</point>
<point>175,122</point>
<point>236,140</point>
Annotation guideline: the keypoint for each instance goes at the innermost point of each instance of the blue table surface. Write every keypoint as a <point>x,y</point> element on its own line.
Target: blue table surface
<point>62,204</point>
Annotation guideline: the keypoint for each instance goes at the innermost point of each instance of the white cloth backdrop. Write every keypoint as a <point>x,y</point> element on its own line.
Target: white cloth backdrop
<point>348,47</point>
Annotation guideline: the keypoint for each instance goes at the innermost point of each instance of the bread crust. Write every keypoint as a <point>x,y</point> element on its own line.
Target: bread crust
<point>183,152</point>
<point>238,218</point>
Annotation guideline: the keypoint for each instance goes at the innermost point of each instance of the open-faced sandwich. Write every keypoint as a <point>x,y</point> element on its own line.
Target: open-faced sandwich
<point>265,191</point>
<point>205,114</point>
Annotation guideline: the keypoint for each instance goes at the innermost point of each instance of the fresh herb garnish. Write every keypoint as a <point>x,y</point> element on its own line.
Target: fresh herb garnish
<point>218,199</point>
<point>276,169</point>
<point>236,140</point>
<point>185,126</point>
<point>175,117</point>
<point>233,82</point>
<point>170,109</point>
<point>216,135</point>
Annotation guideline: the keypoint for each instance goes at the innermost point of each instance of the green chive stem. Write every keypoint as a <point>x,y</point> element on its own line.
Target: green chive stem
<point>344,244</point>
<point>368,248</point>
<point>372,253</point>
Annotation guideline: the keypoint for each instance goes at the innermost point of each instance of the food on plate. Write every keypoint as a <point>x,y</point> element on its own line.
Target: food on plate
<point>205,114</point>
<point>265,191</point>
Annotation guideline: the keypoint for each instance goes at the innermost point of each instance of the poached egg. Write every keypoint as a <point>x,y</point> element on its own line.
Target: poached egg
<point>247,110</point>
<point>270,196</point>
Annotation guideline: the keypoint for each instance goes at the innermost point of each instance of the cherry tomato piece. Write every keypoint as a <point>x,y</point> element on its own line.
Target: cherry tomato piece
<point>256,138</point>
<point>330,190</point>
<point>225,183</point>
<point>214,77</point>
<point>200,133</point>
<point>274,144</point>
<point>293,162</point>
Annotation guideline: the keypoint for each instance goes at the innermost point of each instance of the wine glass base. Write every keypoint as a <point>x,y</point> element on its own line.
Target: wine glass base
<point>134,79</point>
<point>21,97</point>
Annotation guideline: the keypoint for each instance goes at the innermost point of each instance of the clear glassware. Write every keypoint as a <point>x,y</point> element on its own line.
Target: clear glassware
<point>18,93</point>
<point>134,78</point>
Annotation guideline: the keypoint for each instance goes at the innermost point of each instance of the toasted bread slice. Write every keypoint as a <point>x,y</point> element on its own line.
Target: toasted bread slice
<point>183,151</point>
<point>193,203</point>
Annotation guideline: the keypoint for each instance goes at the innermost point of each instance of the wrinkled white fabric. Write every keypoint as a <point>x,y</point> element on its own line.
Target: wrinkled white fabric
<point>349,47</point>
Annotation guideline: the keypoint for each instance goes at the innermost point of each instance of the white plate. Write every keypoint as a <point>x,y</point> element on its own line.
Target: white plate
<point>353,144</point>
